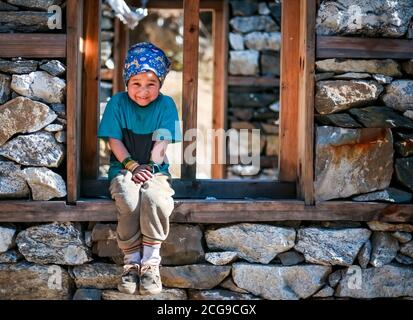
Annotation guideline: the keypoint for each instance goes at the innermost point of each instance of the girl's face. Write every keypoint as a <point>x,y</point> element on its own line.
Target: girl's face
<point>143,88</point>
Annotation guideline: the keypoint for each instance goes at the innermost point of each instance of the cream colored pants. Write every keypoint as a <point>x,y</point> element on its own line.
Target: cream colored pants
<point>143,210</point>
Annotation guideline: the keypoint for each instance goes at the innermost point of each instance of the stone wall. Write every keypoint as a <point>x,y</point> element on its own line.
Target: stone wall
<point>32,111</point>
<point>364,108</point>
<point>254,42</point>
<point>245,261</point>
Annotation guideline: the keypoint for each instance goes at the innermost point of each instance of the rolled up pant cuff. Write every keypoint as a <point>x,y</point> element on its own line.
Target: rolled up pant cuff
<point>131,245</point>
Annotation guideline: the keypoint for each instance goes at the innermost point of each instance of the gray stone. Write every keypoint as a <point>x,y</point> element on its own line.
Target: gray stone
<point>387,67</point>
<point>11,256</point>
<point>387,195</point>
<point>37,149</point>
<point>105,51</point>
<point>59,108</point>
<point>408,114</point>
<point>325,292</point>
<point>104,231</point>
<point>24,21</point>
<point>229,284</point>
<point>352,75</point>
<point>336,95</point>
<point>244,8</point>
<point>400,258</point>
<point>407,67</point>
<point>183,245</point>
<point>382,79</point>
<point>106,23</point>
<point>60,136</point>
<point>405,145</point>
<point>270,63</point>
<point>166,294</point>
<point>253,242</point>
<point>35,4</point>
<point>251,100</point>
<point>384,226</point>
<point>54,67</point>
<point>352,161</point>
<point>53,127</point>
<point>18,66</point>
<point>342,120</point>
<point>364,255</point>
<point>236,41</point>
<point>291,258</point>
<point>5,92</point>
<point>372,18</point>
<point>402,237</point>
<point>407,249</point>
<point>280,283</point>
<point>404,172</point>
<point>97,275</point>
<point>196,276</point>
<point>27,281</point>
<point>263,9</point>
<point>87,294</point>
<point>335,277</point>
<point>331,247</point>
<point>219,294</point>
<point>253,23</point>
<point>384,248</point>
<point>12,185</point>
<point>88,238</point>
<point>107,248</point>
<point>7,7</point>
<point>243,62</point>
<point>40,85</point>
<point>22,115</point>
<point>399,95</point>
<point>324,76</point>
<point>7,237</point>
<point>221,258</point>
<point>44,183</point>
<point>59,243</point>
<point>385,282</point>
<point>263,40</point>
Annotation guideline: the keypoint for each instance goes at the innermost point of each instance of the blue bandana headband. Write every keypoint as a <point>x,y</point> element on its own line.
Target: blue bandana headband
<point>143,57</point>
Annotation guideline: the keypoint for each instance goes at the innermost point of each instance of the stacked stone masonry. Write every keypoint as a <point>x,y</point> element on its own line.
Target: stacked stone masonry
<point>364,108</point>
<point>254,51</point>
<point>288,261</point>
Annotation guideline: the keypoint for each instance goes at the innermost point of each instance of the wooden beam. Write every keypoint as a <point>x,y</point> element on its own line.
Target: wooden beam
<point>305,172</point>
<point>290,69</point>
<point>210,212</point>
<point>121,44</point>
<point>190,82</point>
<point>177,4</point>
<point>265,81</point>
<point>201,189</point>
<point>369,48</point>
<point>219,104</point>
<point>32,45</point>
<point>91,82</point>
<point>74,13</point>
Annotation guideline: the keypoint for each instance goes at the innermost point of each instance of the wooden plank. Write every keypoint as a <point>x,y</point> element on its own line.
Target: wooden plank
<point>219,105</point>
<point>265,81</point>
<point>91,82</point>
<point>74,15</point>
<point>305,173</point>
<point>201,189</point>
<point>208,211</point>
<point>177,4</point>
<point>106,74</point>
<point>32,45</point>
<point>121,43</point>
<point>190,83</point>
<point>290,69</point>
<point>369,48</point>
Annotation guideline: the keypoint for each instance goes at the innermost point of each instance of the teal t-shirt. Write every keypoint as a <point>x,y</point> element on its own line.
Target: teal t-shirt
<point>139,127</point>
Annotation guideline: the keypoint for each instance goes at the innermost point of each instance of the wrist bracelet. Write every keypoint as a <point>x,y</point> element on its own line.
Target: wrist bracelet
<point>126,160</point>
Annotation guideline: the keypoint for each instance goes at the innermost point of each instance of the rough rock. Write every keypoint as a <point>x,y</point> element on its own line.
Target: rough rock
<point>12,185</point>
<point>387,67</point>
<point>219,294</point>
<point>44,183</point>
<point>384,248</point>
<point>7,238</point>
<point>97,275</point>
<point>166,294</point>
<point>221,258</point>
<point>399,95</point>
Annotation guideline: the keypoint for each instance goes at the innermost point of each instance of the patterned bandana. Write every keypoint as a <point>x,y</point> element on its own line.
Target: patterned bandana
<point>144,57</point>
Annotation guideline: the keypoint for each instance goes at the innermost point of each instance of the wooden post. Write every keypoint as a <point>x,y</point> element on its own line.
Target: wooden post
<point>121,44</point>
<point>220,35</point>
<point>91,77</point>
<point>290,68</point>
<point>190,80</point>
<point>73,101</point>
<point>305,167</point>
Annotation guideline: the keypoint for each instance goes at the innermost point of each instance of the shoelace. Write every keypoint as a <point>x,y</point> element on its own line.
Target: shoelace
<point>131,267</point>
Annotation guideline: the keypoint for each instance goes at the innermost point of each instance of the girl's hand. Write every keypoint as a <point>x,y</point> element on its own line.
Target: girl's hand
<point>142,173</point>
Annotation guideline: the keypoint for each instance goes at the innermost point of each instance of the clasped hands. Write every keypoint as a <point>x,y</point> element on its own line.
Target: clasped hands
<point>142,173</point>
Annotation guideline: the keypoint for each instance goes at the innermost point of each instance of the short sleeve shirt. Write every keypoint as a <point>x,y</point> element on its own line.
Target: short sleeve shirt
<point>139,127</point>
